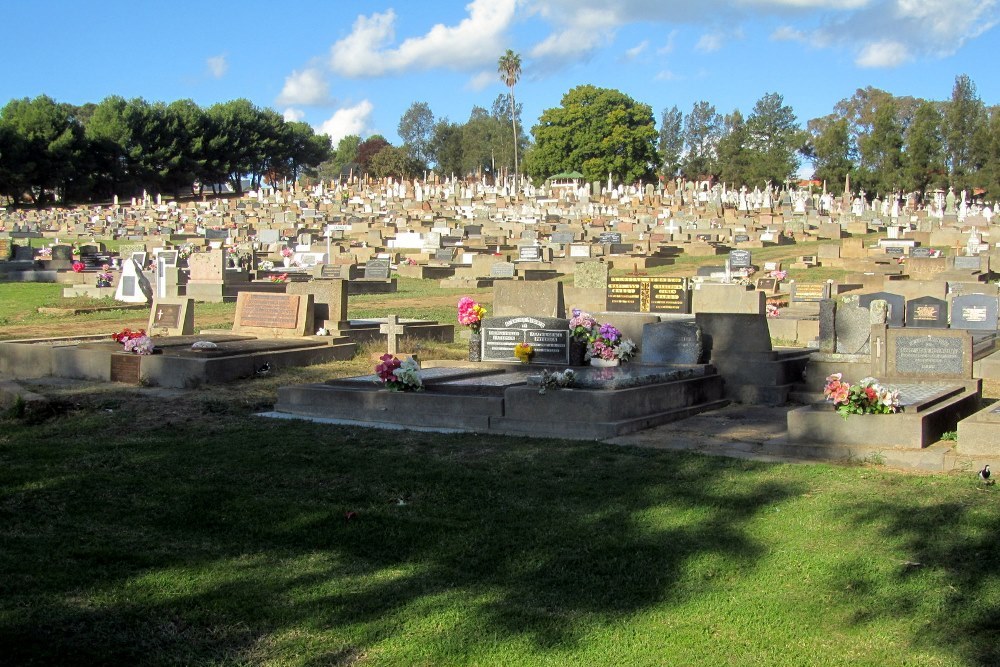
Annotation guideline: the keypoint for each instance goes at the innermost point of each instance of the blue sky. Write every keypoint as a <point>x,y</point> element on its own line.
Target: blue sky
<point>355,67</point>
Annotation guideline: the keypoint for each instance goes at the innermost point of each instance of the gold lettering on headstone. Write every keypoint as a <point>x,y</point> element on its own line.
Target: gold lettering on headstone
<point>928,312</point>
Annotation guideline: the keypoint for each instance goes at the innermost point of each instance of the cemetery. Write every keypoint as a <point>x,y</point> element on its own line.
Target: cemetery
<point>913,304</point>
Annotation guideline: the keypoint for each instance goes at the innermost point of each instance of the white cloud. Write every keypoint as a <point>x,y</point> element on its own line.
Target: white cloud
<point>482,80</point>
<point>305,87</point>
<point>887,53</point>
<point>709,42</point>
<point>637,50</point>
<point>217,66</point>
<point>349,120</point>
<point>668,48</point>
<point>787,33</point>
<point>292,115</point>
<point>476,40</point>
<point>666,75</point>
<point>584,30</point>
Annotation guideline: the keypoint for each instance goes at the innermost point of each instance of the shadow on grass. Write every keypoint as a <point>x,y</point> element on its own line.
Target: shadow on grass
<point>236,540</point>
<point>952,568</point>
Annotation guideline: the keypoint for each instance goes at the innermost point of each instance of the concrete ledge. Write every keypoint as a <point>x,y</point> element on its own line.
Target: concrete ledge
<point>35,405</point>
<point>979,434</point>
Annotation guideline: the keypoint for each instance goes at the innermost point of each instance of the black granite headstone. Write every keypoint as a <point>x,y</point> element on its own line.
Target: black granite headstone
<point>974,311</point>
<point>739,259</point>
<point>926,312</point>
<point>671,342</point>
<point>548,336</point>
<point>377,269</point>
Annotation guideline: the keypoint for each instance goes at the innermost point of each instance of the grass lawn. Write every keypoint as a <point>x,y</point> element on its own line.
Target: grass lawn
<point>180,530</point>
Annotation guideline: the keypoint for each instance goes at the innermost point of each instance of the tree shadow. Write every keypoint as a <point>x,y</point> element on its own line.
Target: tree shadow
<point>203,542</point>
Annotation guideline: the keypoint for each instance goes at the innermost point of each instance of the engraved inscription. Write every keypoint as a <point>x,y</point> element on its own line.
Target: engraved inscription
<point>168,315</point>
<point>645,294</point>
<point>271,311</point>
<point>929,355</point>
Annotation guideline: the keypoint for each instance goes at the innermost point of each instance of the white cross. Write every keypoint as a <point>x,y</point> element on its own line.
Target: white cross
<point>392,328</point>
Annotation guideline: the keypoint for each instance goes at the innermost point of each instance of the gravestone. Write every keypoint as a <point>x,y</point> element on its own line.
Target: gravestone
<point>393,330</point>
<point>377,269</point>
<point>853,323</point>
<point>268,315</point>
<point>767,284</point>
<point>739,259</point>
<point>671,342</point>
<point>4,249</point>
<point>548,336</point>
<point>133,286</point>
<point>920,252</point>
<point>329,301</point>
<point>808,292</point>
<point>968,263</point>
<point>62,253</point>
<point>169,258</point>
<point>171,317</point>
<point>444,255</point>
<point>609,237</point>
<point>896,306</point>
<point>591,275</point>
<point>563,238</point>
<point>927,312</point>
<point>529,253</point>
<point>209,267</point>
<point>974,312</point>
<point>502,270</point>
<point>518,297</point>
<point>648,294</point>
<point>942,354</point>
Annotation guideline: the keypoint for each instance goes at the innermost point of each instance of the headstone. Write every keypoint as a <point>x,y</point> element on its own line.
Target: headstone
<point>329,301</point>
<point>896,306</point>
<point>853,327</point>
<point>966,263</point>
<point>548,336</point>
<point>133,286</point>
<point>518,297</point>
<point>648,294</point>
<point>805,292</point>
<point>62,253</point>
<point>609,237</point>
<point>927,311</point>
<point>377,269</point>
<point>393,330</point>
<point>974,312</point>
<point>739,259</point>
<point>268,315</point>
<point>529,253</point>
<point>671,342</point>
<point>171,317</point>
<point>563,238</point>
<point>943,354</point>
<point>591,275</point>
<point>502,270</point>
<point>769,285</point>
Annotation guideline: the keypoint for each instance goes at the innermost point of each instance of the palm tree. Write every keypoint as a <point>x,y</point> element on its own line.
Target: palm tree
<point>509,66</point>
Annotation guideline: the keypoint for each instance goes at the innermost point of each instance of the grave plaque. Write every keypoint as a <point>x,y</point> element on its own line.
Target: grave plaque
<point>648,294</point>
<point>896,251</point>
<point>896,303</point>
<point>171,317</point>
<point>920,252</point>
<point>803,292</point>
<point>216,234</point>
<point>444,255</point>
<point>166,315</point>
<point>502,270</point>
<point>609,237</point>
<point>563,238</point>
<point>926,311</point>
<point>966,263</point>
<point>169,258</point>
<point>739,259</point>
<point>377,269</point>
<point>125,367</point>
<point>620,248</point>
<point>929,355</point>
<point>741,238</point>
<point>270,311</point>
<point>706,238</point>
<point>128,284</point>
<point>492,240</point>
<point>767,284</point>
<point>974,312</point>
<point>332,271</point>
<point>549,336</point>
<point>671,342</point>
<point>529,253</point>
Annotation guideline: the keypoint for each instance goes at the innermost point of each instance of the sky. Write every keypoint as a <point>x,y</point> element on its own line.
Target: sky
<point>356,67</point>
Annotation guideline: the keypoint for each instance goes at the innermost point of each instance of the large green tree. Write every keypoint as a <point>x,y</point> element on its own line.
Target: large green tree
<point>733,153</point>
<point>774,141</point>
<point>447,147</point>
<point>596,131</point>
<point>881,152</point>
<point>703,128</point>
<point>832,151</point>
<point>416,129</point>
<point>963,118</point>
<point>671,143</point>
<point>923,164</point>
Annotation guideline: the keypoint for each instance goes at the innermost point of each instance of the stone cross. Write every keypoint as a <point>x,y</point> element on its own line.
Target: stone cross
<point>392,329</point>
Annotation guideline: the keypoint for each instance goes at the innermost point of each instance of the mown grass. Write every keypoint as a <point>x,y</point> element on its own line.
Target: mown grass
<point>179,530</point>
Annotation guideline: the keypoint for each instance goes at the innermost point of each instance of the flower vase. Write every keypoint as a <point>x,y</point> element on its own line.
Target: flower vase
<point>286,261</point>
<point>597,362</point>
<point>475,346</point>
<point>577,352</point>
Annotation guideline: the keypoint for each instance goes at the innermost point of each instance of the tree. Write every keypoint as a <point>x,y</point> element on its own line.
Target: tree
<point>702,129</point>
<point>368,148</point>
<point>447,147</point>
<point>774,139</point>
<point>671,144</point>
<point>963,118</point>
<point>990,172</point>
<point>733,152</point>
<point>395,162</point>
<point>881,152</point>
<point>924,158</point>
<point>503,145</point>
<point>343,159</point>
<point>416,129</point>
<point>482,135</point>
<point>509,66</point>
<point>597,131</point>
<point>832,152</point>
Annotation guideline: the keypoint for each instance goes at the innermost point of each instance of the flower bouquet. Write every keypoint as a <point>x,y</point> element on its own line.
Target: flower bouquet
<point>280,278</point>
<point>556,380</point>
<point>398,375</point>
<point>286,252</point>
<point>470,314</point>
<point>265,265</point>
<point>136,342</point>
<point>78,267</point>
<point>105,277</point>
<point>607,343</point>
<point>581,326</point>
<point>867,397</point>
<point>523,352</point>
